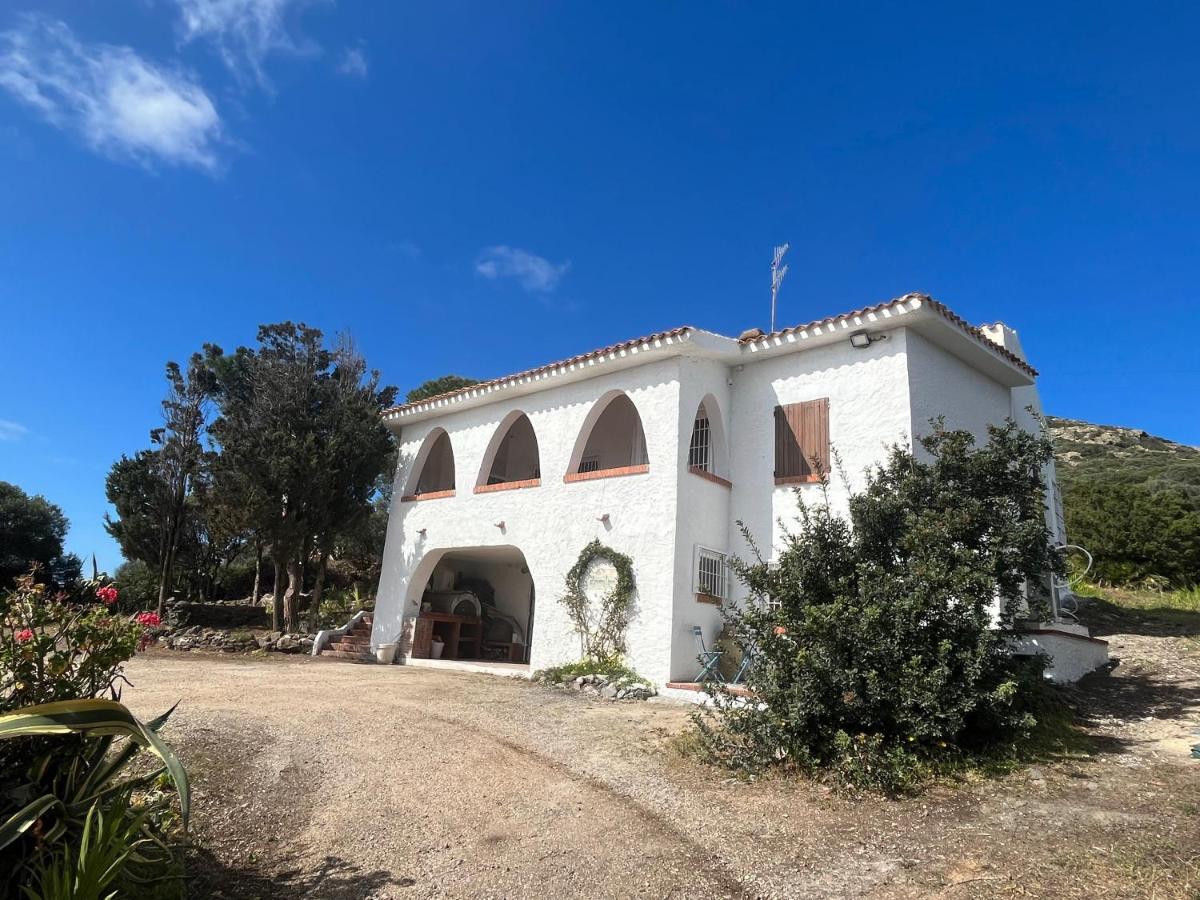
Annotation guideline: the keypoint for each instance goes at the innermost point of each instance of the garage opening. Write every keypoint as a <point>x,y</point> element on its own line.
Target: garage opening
<point>477,604</point>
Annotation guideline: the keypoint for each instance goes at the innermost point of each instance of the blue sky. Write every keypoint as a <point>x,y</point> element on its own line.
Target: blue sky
<point>477,188</point>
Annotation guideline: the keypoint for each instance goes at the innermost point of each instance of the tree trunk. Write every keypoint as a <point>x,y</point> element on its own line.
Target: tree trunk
<point>291,596</point>
<point>258,555</point>
<point>277,594</point>
<point>314,602</point>
<point>162,588</point>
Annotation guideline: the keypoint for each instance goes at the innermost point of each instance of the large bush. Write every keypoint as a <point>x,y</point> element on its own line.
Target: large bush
<point>1136,532</point>
<point>70,811</point>
<point>882,642</point>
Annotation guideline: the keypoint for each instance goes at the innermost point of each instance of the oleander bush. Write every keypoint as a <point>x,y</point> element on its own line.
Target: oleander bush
<point>80,815</point>
<point>881,640</point>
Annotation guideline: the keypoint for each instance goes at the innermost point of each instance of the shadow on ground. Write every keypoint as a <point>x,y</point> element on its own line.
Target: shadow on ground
<point>334,879</point>
<point>1104,618</point>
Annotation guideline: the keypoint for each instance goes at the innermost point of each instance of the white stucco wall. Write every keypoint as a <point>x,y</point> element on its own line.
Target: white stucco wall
<point>941,384</point>
<point>868,411</point>
<point>550,524</point>
<point>703,516</point>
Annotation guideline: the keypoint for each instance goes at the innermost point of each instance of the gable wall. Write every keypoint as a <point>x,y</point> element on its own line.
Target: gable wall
<point>868,410</point>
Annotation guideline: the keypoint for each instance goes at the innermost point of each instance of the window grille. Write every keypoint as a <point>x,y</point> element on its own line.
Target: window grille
<point>589,464</point>
<point>712,573</point>
<point>699,448</point>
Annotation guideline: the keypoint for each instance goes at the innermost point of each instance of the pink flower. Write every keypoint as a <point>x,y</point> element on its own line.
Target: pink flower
<point>149,619</point>
<point>24,635</point>
<point>107,594</point>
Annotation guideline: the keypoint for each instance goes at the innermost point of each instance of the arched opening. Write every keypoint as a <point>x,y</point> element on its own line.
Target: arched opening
<point>511,460</point>
<point>611,441</point>
<point>707,452</point>
<point>477,603</point>
<point>433,469</point>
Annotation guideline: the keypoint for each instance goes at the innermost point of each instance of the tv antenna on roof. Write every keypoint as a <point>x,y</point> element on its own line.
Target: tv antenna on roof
<point>777,273</point>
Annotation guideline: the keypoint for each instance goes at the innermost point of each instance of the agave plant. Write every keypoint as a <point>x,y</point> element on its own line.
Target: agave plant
<point>67,790</point>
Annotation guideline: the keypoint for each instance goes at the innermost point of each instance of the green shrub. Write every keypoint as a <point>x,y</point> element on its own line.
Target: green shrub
<point>1135,532</point>
<point>877,641</point>
<point>54,648</point>
<point>60,768</point>
<point>80,778</point>
<point>612,668</point>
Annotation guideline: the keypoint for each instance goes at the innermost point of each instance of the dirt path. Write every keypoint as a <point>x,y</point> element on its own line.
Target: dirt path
<point>319,779</point>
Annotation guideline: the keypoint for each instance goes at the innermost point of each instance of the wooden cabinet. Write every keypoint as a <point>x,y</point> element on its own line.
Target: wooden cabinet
<point>461,634</point>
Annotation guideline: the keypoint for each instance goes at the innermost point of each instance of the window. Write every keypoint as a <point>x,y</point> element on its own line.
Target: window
<point>433,469</point>
<point>512,455</point>
<point>712,574</point>
<point>611,439</point>
<point>801,441</point>
<point>700,448</point>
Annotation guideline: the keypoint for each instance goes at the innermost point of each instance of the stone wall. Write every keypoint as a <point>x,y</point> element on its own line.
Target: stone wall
<point>185,614</point>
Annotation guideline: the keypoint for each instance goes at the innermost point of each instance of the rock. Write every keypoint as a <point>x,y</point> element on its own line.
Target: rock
<point>609,690</point>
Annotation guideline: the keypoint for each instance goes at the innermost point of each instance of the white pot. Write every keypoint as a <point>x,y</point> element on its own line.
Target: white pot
<point>435,649</point>
<point>385,654</point>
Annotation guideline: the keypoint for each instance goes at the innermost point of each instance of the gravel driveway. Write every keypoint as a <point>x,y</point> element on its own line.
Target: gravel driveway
<point>323,779</point>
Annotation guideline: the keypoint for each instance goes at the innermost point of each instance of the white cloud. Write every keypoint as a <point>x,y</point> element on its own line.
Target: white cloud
<point>120,104</point>
<point>353,63</point>
<point>534,273</point>
<point>12,431</point>
<point>245,32</point>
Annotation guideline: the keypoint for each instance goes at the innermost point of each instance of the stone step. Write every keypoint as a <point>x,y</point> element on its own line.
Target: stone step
<point>345,654</point>
<point>350,646</point>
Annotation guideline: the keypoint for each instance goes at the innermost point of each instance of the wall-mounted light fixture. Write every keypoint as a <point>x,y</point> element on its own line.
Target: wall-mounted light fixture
<point>603,518</point>
<point>861,340</point>
<point>500,524</point>
<point>421,531</point>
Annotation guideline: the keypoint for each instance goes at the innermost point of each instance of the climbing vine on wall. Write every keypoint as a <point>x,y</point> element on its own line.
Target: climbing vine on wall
<point>601,625</point>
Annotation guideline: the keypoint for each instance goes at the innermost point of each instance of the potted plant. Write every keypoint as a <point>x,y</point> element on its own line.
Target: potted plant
<point>436,646</point>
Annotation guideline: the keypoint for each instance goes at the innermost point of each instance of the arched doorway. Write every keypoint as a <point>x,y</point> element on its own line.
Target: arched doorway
<point>477,602</point>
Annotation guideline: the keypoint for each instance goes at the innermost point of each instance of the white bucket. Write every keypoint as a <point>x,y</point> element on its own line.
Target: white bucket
<point>385,654</point>
<point>435,649</point>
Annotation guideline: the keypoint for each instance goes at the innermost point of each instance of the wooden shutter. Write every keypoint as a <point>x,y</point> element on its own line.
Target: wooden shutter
<point>801,441</point>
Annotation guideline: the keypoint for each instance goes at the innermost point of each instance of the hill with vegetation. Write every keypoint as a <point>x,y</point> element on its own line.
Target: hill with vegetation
<point>1132,499</point>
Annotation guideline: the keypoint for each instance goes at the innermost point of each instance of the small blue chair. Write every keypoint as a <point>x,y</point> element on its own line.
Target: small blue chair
<point>708,659</point>
<point>748,655</point>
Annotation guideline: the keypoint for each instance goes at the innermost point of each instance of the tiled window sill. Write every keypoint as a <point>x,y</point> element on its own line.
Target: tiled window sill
<point>428,495</point>
<point>709,476</point>
<point>606,473</point>
<point>797,479</point>
<point>508,486</point>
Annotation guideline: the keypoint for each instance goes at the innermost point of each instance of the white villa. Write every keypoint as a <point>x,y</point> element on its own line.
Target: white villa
<point>658,447</point>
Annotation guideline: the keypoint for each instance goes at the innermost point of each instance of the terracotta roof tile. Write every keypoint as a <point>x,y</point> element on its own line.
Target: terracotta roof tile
<point>925,300</point>
<point>937,306</point>
<point>549,367</point>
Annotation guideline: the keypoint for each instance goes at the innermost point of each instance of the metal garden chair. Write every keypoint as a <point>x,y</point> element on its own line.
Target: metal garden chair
<point>708,658</point>
<point>748,655</point>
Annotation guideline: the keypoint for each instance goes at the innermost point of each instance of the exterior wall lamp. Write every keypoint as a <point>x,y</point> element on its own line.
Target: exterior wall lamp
<point>861,340</point>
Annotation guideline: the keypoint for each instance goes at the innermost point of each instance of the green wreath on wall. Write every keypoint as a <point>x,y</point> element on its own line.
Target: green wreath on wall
<point>602,632</point>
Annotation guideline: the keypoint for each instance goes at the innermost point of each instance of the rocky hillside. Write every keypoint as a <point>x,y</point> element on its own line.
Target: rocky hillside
<point>1133,500</point>
<point>1124,455</point>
